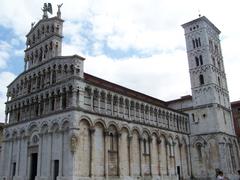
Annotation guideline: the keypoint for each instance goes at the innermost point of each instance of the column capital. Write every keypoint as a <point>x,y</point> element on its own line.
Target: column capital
<point>92,130</point>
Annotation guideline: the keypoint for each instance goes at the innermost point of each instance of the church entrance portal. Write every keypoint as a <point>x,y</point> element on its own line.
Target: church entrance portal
<point>33,168</point>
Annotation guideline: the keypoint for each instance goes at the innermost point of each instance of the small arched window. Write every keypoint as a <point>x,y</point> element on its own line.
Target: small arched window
<point>201,79</point>
<point>111,142</point>
<point>193,117</point>
<point>144,146</point>
<point>199,151</point>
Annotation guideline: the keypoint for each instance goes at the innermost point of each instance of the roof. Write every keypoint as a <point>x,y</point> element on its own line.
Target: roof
<point>126,91</point>
<point>183,98</point>
<point>202,18</point>
<point>121,90</point>
<point>235,103</point>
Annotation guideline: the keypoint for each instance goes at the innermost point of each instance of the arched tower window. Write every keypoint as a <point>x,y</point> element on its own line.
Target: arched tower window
<point>201,79</point>
<point>197,61</point>
<point>201,60</point>
<point>196,41</point>
<point>219,65</point>
<point>219,82</point>
<point>213,60</point>
<point>199,41</point>
<point>193,42</point>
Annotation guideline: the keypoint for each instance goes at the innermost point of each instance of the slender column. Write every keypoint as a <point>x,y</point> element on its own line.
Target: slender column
<point>6,117</point>
<point>60,101</point>
<point>112,105</point>
<point>92,152</point>
<point>106,154</point>
<point>92,99</point>
<point>118,107</point>
<point>105,104</point>
<point>129,111</point>
<point>74,98</point>
<point>50,76</point>
<point>98,101</point>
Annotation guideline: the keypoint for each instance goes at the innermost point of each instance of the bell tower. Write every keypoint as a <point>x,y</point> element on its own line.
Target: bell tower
<point>208,79</point>
<point>210,114</point>
<point>44,41</point>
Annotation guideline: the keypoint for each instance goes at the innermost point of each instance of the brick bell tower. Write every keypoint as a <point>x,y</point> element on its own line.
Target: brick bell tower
<point>211,118</point>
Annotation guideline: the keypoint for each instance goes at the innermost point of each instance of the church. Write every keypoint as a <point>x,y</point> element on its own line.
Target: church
<point>64,124</point>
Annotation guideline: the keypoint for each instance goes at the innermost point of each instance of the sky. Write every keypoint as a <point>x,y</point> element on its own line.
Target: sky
<point>138,44</point>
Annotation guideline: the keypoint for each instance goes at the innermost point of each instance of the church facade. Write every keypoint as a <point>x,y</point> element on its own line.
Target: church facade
<point>65,124</point>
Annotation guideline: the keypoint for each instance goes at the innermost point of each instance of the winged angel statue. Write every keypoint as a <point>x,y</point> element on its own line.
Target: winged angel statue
<point>47,7</point>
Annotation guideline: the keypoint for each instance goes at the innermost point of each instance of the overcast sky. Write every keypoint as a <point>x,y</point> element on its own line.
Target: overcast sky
<point>135,43</point>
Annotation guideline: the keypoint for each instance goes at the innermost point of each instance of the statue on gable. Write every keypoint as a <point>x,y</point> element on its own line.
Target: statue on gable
<point>47,7</point>
<point>59,11</point>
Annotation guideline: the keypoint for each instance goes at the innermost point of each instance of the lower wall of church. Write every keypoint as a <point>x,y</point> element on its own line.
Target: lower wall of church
<point>213,152</point>
<point>76,146</point>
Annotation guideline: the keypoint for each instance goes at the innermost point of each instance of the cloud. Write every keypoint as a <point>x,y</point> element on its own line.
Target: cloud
<point>5,79</point>
<point>153,75</point>
<point>146,33</point>
<point>5,50</point>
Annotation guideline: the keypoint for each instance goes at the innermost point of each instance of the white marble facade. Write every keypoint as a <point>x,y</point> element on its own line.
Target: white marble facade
<point>64,124</point>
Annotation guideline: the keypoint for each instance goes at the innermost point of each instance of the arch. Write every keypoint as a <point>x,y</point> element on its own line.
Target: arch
<point>32,127</point>
<point>146,131</point>
<point>113,124</point>
<point>136,149</point>
<point>125,126</point>
<point>136,129</point>
<point>86,118</point>
<point>83,149</point>
<point>100,121</point>
<point>99,144</point>
<point>55,127</point>
<point>65,125</point>
<point>124,149</point>
<point>44,127</point>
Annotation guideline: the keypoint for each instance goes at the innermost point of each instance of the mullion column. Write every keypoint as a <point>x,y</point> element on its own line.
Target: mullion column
<point>60,100</point>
